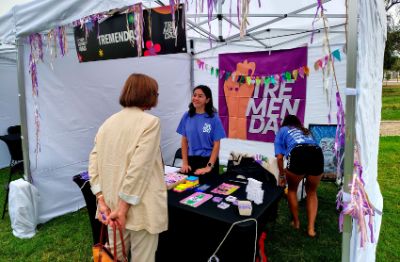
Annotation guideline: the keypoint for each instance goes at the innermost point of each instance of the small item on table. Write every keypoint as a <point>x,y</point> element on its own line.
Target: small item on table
<point>223,205</point>
<point>230,199</point>
<point>217,199</point>
<point>225,189</point>
<point>174,179</point>
<point>202,188</point>
<point>196,199</point>
<point>245,207</point>
<point>191,182</point>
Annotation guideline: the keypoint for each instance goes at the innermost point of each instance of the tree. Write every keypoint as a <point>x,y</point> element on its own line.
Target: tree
<point>392,49</point>
<point>390,3</point>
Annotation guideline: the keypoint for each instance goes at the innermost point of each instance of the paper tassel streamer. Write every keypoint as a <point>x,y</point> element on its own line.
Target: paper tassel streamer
<point>320,9</point>
<point>38,148</point>
<point>340,135</point>
<point>36,44</point>
<point>139,23</point>
<point>244,23</point>
<point>358,207</point>
<point>62,40</point>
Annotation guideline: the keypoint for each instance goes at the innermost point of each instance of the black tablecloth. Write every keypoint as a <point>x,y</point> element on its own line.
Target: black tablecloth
<point>195,233</point>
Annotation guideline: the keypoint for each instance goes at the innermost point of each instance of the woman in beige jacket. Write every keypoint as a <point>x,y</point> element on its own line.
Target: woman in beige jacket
<point>126,170</point>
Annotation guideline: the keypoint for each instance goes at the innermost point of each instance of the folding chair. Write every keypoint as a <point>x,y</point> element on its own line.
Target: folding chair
<point>14,145</point>
<point>178,155</point>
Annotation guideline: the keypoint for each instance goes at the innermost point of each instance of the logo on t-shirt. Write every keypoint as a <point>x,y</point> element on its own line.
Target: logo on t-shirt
<point>207,128</point>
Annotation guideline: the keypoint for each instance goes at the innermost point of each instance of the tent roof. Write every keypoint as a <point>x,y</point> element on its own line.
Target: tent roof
<point>24,19</point>
<point>294,17</point>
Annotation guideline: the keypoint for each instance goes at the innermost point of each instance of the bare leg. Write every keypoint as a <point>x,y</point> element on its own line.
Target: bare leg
<point>312,202</point>
<point>293,183</point>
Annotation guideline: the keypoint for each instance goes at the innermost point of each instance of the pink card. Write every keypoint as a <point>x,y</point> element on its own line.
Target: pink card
<point>225,189</point>
<point>196,199</point>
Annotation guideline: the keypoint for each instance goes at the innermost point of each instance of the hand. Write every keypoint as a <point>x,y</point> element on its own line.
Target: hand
<point>185,168</point>
<point>282,181</point>
<point>103,211</point>
<point>118,219</point>
<point>202,171</point>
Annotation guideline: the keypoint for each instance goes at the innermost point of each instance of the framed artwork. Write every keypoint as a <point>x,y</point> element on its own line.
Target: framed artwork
<point>324,135</point>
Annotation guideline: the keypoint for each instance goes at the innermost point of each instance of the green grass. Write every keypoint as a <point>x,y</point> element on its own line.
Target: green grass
<point>388,178</point>
<point>391,103</point>
<point>286,244</point>
<point>68,238</point>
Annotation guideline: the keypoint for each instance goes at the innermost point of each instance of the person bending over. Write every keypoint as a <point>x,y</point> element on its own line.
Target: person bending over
<point>201,131</point>
<point>304,159</point>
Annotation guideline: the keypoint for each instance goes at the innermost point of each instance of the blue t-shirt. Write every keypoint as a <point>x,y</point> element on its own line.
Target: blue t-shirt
<point>201,132</point>
<point>289,137</point>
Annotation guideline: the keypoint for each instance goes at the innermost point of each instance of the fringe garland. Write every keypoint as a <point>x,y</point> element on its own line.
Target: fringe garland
<point>244,23</point>
<point>359,206</point>
<point>139,24</point>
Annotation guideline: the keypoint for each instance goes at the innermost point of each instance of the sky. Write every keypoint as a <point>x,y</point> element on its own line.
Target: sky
<point>6,5</point>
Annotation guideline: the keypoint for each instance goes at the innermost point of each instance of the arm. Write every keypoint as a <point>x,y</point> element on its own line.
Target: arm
<point>213,158</point>
<point>282,178</point>
<point>185,161</point>
<point>103,211</point>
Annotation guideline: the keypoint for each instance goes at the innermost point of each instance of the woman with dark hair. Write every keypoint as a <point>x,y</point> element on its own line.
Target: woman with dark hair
<point>304,159</point>
<point>201,131</point>
<point>127,173</point>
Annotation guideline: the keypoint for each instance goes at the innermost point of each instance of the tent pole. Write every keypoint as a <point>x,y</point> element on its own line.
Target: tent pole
<point>352,33</point>
<point>247,34</point>
<point>22,108</point>
<point>269,15</point>
<point>191,42</point>
<point>202,30</point>
<point>220,37</point>
<point>277,19</point>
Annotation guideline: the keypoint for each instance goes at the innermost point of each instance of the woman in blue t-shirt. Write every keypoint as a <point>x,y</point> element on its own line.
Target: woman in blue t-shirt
<point>304,159</point>
<point>201,131</point>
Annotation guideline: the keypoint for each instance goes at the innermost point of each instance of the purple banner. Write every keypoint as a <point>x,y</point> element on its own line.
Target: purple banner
<point>258,89</point>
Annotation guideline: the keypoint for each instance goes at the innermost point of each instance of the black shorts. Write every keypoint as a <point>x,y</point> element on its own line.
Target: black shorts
<point>306,159</point>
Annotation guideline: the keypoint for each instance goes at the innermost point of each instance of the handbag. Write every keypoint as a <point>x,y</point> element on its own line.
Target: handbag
<point>103,254</point>
<point>248,167</point>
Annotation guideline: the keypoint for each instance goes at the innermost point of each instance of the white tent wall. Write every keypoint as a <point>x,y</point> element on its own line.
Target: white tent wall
<point>74,100</point>
<point>9,104</point>
<point>317,105</point>
<point>371,46</point>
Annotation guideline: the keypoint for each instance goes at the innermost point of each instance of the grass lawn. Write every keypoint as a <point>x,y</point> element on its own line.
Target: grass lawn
<point>68,238</point>
<point>391,103</point>
<point>388,178</point>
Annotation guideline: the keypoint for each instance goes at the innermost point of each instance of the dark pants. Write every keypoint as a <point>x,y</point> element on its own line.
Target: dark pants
<point>196,162</point>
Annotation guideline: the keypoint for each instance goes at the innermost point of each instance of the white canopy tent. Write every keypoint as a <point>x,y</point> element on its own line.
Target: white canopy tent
<point>9,106</point>
<point>75,98</point>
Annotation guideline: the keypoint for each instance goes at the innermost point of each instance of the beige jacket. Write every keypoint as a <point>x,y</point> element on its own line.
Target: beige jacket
<point>126,163</point>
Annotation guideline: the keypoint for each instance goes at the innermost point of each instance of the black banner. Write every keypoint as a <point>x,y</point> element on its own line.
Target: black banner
<point>111,39</point>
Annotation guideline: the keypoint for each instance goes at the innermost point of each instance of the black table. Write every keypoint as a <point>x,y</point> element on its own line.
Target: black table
<point>195,233</point>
